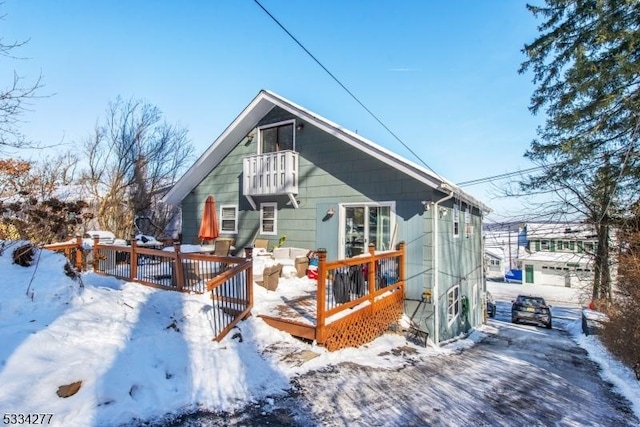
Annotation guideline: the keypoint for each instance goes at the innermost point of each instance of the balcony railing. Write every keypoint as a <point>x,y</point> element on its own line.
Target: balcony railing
<point>271,174</point>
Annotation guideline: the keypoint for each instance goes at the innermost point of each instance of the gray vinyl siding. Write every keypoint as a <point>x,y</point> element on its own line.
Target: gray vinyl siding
<point>332,172</point>
<point>460,263</point>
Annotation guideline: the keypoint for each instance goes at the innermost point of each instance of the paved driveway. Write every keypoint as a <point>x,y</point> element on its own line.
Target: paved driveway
<point>518,375</point>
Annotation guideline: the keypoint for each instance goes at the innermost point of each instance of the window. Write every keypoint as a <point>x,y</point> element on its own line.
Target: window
<point>456,221</point>
<point>474,296</point>
<point>268,218</point>
<point>453,303</point>
<point>468,227</point>
<point>229,219</point>
<point>277,137</point>
<point>544,245</point>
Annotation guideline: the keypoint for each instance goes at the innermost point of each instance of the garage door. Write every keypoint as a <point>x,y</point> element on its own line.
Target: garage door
<point>552,276</point>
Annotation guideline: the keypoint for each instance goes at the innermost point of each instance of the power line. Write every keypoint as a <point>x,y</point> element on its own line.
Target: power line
<point>497,177</point>
<point>347,90</point>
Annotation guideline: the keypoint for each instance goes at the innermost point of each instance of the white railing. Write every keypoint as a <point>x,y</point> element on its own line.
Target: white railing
<point>271,173</point>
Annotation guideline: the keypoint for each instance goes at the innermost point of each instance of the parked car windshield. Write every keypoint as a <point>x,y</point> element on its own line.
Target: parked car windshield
<point>530,300</point>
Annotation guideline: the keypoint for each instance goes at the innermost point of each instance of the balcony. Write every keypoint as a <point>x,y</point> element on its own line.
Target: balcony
<point>271,174</point>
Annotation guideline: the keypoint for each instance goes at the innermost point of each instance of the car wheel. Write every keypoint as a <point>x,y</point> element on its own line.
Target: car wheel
<point>514,320</point>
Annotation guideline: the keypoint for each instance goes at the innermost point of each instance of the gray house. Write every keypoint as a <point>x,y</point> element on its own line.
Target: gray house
<point>283,173</point>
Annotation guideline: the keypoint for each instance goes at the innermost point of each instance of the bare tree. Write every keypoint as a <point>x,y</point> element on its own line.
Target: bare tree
<point>14,102</point>
<point>132,156</point>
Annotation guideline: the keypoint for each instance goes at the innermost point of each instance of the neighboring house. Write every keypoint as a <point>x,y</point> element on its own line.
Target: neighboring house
<point>494,259</point>
<point>508,236</point>
<point>282,172</point>
<point>559,254</point>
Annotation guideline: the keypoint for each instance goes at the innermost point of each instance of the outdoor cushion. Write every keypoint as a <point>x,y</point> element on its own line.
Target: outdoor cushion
<point>289,253</point>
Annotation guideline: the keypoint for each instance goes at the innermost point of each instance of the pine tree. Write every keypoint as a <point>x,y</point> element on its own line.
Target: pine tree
<point>586,65</point>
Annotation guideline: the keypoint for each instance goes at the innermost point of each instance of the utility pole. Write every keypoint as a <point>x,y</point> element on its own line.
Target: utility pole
<point>510,260</point>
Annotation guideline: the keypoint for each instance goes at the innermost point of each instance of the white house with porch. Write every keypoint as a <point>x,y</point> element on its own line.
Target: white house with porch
<point>559,254</point>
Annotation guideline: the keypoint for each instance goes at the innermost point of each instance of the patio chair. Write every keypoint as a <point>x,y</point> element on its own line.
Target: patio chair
<point>270,277</point>
<point>221,247</point>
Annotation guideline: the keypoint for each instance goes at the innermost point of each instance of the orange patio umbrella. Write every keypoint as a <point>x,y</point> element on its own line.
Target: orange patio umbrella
<point>209,224</point>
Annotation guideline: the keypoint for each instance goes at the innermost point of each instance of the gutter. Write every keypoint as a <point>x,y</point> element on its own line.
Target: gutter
<point>436,280</point>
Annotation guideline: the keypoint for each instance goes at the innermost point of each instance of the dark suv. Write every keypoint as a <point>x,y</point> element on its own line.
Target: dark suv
<point>530,309</point>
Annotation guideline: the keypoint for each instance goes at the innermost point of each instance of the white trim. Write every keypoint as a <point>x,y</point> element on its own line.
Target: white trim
<point>264,102</point>
<point>456,305</point>
<point>235,219</point>
<point>275,218</point>
<point>292,122</point>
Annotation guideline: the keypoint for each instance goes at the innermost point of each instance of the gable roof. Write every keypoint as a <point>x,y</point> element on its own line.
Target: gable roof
<point>497,253</point>
<point>559,257</point>
<point>560,230</point>
<point>264,102</point>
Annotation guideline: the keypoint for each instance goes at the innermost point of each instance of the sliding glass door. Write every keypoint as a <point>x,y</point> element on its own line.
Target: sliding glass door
<point>364,224</point>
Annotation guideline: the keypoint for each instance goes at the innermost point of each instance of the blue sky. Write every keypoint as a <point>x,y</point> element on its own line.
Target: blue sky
<point>441,75</point>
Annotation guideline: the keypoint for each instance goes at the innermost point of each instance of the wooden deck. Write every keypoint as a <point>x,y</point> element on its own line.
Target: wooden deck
<point>296,316</point>
<point>229,279</point>
<point>356,300</point>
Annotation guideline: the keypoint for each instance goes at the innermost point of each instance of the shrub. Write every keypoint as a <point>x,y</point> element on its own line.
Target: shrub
<point>621,334</point>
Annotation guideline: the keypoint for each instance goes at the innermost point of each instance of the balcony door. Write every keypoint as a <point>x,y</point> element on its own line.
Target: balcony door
<point>364,224</point>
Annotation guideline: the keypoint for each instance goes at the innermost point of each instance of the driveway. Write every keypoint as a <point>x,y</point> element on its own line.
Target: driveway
<point>518,375</point>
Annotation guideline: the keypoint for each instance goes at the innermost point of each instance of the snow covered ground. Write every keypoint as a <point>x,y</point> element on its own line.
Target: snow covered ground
<point>142,353</point>
<point>561,299</point>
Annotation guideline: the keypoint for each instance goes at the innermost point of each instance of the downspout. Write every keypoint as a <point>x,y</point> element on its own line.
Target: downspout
<point>436,281</point>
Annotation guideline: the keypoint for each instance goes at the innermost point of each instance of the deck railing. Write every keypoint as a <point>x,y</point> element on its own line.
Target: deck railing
<point>229,279</point>
<point>271,173</point>
<point>357,298</point>
<point>373,284</point>
<point>72,250</point>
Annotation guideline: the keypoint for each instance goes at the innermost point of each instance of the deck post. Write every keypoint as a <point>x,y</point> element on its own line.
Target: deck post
<point>79,252</point>
<point>371,272</point>
<point>401,248</point>
<point>179,272</point>
<point>133,268</point>
<point>96,252</point>
<point>321,294</point>
<point>248,254</point>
